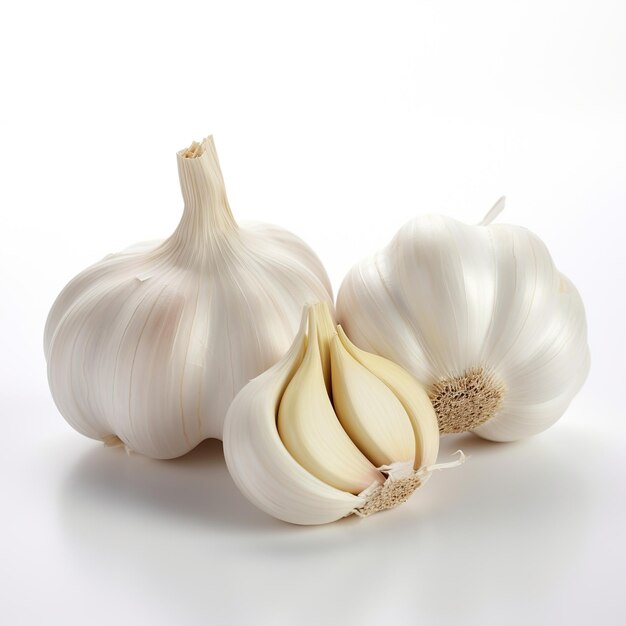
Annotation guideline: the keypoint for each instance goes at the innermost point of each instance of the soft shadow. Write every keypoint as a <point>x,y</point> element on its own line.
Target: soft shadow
<point>509,524</point>
<point>195,488</point>
<point>181,526</point>
<point>109,493</point>
<point>498,483</point>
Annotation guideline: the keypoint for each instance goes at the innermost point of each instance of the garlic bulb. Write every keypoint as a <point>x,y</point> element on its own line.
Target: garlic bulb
<point>480,315</point>
<point>151,345</point>
<point>330,430</point>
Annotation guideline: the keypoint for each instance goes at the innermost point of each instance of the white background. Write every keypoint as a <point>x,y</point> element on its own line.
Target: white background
<point>339,121</point>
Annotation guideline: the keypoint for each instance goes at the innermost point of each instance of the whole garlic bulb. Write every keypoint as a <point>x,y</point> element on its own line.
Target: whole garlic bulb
<point>150,345</point>
<point>480,315</point>
<point>330,430</point>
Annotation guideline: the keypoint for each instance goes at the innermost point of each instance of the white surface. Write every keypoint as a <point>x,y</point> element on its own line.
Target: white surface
<point>338,121</point>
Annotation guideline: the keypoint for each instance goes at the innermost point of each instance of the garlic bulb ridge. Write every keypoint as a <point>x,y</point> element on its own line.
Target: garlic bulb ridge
<point>329,430</point>
<point>150,345</point>
<point>480,315</point>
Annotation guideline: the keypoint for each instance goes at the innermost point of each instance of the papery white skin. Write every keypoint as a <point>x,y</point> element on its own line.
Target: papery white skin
<point>445,297</point>
<point>152,344</point>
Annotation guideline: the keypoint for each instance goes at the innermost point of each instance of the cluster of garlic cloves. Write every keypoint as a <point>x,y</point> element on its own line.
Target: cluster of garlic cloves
<point>149,346</point>
<point>330,430</point>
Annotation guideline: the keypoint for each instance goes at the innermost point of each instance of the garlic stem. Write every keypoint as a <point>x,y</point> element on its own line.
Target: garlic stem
<point>207,215</point>
<point>493,212</point>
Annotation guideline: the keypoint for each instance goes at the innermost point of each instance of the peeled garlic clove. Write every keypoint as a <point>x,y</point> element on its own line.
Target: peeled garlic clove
<point>480,315</point>
<point>410,393</point>
<point>150,345</point>
<point>310,430</point>
<point>370,413</point>
<point>288,453</point>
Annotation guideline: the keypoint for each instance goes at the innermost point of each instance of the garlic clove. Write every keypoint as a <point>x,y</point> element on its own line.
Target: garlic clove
<point>410,392</point>
<point>260,464</point>
<point>287,450</point>
<point>369,411</point>
<point>310,430</point>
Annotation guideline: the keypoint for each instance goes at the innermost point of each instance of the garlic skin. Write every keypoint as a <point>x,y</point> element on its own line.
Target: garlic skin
<point>150,345</point>
<point>480,315</point>
<point>293,457</point>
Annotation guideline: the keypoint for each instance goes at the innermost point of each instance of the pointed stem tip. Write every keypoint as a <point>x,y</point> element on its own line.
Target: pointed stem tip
<point>493,212</point>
